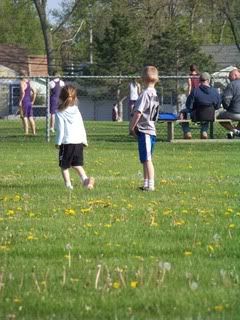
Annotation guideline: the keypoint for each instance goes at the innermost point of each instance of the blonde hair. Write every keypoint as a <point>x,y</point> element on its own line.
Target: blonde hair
<point>150,74</point>
<point>68,97</point>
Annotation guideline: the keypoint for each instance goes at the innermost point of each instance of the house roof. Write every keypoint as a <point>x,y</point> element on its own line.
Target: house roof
<point>7,72</point>
<point>223,55</point>
<point>17,59</point>
<point>14,58</point>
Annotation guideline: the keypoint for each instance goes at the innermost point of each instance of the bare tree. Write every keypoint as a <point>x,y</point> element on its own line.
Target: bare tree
<point>41,6</point>
<point>230,9</point>
<point>46,30</point>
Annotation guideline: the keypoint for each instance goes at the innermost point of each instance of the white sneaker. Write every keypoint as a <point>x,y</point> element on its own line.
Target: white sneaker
<point>151,189</point>
<point>89,183</point>
<point>69,186</point>
<point>52,130</point>
<point>236,133</point>
<point>230,135</point>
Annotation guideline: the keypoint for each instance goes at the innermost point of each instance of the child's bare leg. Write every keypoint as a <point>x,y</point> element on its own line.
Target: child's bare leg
<point>52,121</point>
<point>87,182</point>
<point>149,168</point>
<point>81,172</point>
<point>32,124</point>
<point>145,176</point>
<point>66,178</point>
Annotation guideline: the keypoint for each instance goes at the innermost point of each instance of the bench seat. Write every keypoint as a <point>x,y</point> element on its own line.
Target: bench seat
<point>171,126</point>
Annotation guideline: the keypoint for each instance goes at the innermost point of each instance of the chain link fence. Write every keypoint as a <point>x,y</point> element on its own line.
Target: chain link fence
<point>97,96</point>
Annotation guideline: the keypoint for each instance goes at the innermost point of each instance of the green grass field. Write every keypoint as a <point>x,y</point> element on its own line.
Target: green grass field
<point>116,252</point>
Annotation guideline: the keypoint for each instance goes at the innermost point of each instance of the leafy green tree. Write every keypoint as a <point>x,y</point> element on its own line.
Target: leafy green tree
<point>173,50</point>
<point>19,24</point>
<point>119,51</point>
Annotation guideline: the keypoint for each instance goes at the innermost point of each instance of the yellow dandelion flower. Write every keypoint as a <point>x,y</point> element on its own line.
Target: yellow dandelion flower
<point>10,212</point>
<point>85,210</point>
<point>133,284</point>
<point>31,237</point>
<point>210,248</point>
<point>70,212</point>
<point>227,213</point>
<point>4,248</point>
<point>107,225</point>
<point>153,224</point>
<point>187,253</point>
<point>116,285</point>
<point>179,222</point>
<point>231,226</point>
<point>163,181</point>
<point>167,212</point>
<point>87,225</point>
<point>17,197</point>
<point>229,210</point>
<point>219,308</point>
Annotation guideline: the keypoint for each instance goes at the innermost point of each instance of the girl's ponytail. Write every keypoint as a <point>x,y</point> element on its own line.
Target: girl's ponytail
<point>68,97</point>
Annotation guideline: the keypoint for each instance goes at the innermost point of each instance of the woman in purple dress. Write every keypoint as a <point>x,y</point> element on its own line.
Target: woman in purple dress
<point>55,88</point>
<point>26,101</point>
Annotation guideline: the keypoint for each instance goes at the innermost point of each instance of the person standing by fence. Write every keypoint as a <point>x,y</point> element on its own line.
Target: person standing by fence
<point>134,92</point>
<point>55,87</point>
<point>26,101</point>
<point>193,81</point>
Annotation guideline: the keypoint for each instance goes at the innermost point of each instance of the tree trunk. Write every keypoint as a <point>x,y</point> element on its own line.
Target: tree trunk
<point>222,31</point>
<point>119,101</point>
<point>41,10</point>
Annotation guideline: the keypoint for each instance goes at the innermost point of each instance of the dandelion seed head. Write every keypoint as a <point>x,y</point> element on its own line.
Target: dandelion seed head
<point>68,246</point>
<point>193,286</point>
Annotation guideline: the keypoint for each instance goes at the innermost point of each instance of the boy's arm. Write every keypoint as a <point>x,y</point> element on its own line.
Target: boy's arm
<point>134,122</point>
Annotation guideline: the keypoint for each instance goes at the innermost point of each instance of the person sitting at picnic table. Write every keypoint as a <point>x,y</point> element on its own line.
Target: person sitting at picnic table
<point>231,104</point>
<point>201,105</point>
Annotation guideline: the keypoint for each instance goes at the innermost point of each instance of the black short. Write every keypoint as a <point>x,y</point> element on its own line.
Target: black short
<point>70,155</point>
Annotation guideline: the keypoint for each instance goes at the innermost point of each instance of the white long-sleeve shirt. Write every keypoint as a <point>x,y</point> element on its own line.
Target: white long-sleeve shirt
<point>69,127</point>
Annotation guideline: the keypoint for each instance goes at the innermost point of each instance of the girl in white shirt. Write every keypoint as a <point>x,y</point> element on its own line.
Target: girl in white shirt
<point>71,137</point>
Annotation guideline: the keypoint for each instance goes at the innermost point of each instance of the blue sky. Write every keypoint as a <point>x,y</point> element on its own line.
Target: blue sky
<point>53,3</point>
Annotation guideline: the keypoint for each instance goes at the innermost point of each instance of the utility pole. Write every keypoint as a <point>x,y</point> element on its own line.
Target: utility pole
<point>90,35</point>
